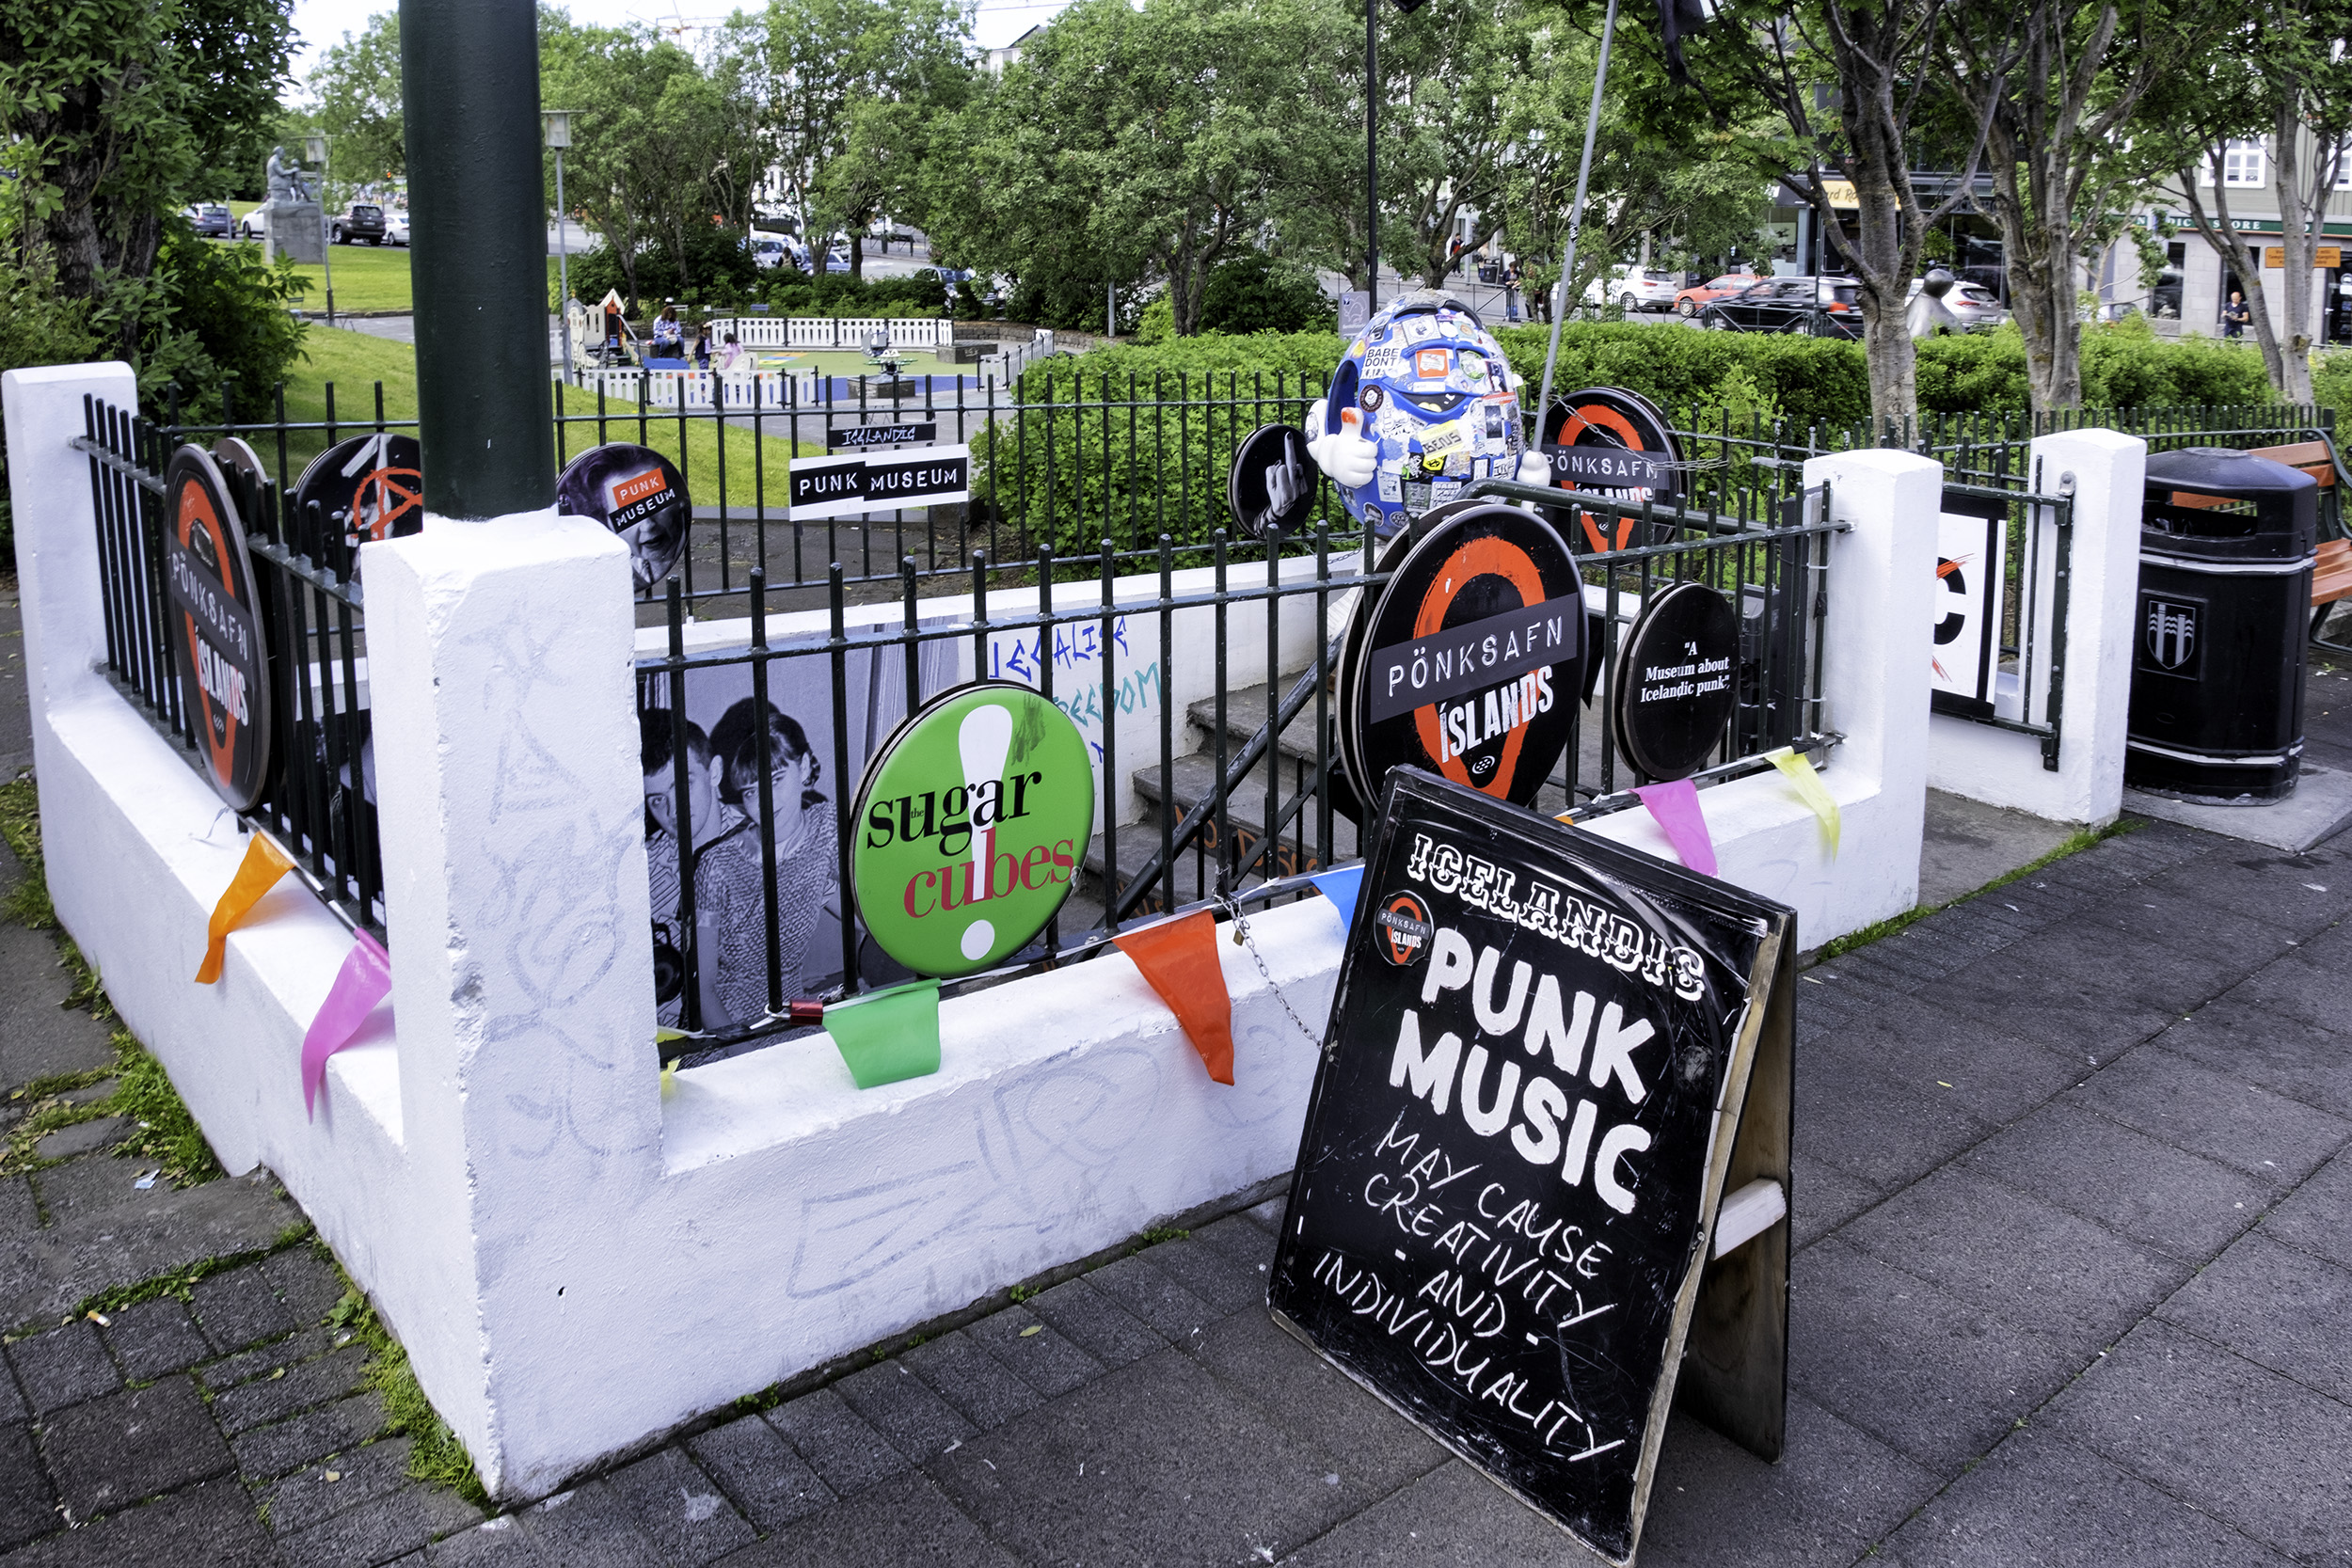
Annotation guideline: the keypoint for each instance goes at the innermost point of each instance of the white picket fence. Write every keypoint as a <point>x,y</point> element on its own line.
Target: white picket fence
<point>833,331</point>
<point>747,391</point>
<point>699,389</point>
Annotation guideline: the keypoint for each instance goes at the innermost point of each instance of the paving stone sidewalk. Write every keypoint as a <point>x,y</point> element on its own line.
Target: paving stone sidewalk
<point>2074,1211</point>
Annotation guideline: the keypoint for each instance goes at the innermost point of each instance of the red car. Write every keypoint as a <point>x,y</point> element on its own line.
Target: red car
<point>1687,303</point>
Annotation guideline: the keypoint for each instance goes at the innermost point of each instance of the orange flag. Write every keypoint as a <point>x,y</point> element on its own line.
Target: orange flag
<point>1179,957</point>
<point>265,863</point>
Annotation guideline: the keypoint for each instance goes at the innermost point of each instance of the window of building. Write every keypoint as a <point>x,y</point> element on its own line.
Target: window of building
<point>2343,164</point>
<point>2246,163</point>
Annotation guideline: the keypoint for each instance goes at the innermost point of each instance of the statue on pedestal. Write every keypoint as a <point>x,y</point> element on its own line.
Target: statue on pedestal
<point>286,180</point>
<point>1928,315</point>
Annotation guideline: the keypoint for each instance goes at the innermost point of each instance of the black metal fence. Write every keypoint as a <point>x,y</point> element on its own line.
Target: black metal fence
<point>319,803</point>
<point>1237,794</point>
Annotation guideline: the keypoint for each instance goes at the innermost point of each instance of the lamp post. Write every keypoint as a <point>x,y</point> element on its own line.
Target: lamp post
<point>559,125</point>
<point>470,90</point>
<point>1576,216</point>
<point>314,150</point>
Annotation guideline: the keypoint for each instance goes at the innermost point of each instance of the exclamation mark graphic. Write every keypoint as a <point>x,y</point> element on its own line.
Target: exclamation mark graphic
<point>982,739</point>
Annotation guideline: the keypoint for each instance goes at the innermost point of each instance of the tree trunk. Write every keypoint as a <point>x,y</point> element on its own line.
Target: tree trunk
<point>2298,244</point>
<point>857,255</point>
<point>2216,231</point>
<point>1889,254</point>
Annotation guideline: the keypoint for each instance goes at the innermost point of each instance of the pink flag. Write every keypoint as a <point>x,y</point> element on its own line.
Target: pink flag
<point>1676,804</point>
<point>360,985</point>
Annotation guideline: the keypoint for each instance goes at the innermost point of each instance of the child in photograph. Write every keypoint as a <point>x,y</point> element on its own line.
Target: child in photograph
<point>725,866</point>
<point>806,847</point>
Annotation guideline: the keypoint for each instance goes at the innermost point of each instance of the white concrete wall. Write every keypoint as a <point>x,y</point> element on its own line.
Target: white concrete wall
<point>2003,767</point>
<point>1876,650</point>
<point>575,1263</point>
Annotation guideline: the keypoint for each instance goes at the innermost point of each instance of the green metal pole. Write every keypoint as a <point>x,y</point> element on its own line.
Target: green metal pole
<point>478,254</point>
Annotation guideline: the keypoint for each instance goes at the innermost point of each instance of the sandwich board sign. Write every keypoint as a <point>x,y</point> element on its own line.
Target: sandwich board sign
<point>1517,1142</point>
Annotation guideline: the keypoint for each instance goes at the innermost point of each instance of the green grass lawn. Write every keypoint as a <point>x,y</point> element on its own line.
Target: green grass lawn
<point>354,364</point>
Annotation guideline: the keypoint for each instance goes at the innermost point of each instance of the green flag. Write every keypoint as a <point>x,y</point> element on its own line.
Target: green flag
<point>886,1036</point>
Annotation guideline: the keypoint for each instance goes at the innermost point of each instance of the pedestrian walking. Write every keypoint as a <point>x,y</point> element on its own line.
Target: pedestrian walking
<point>2236,316</point>
<point>1510,287</point>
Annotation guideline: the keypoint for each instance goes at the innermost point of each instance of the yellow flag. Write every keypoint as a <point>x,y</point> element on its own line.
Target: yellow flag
<point>1799,768</point>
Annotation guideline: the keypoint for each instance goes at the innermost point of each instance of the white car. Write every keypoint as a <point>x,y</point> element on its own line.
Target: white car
<point>395,228</point>
<point>1633,289</point>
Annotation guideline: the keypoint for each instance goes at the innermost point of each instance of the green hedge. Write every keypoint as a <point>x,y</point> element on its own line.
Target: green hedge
<point>1213,390</point>
<point>1135,440</point>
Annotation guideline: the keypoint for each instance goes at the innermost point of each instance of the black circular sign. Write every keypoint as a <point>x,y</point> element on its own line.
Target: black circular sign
<point>1677,681</point>
<point>1472,658</point>
<point>1609,440</point>
<point>1352,649</point>
<point>217,628</point>
<point>638,494</point>
<point>368,487</point>
<point>1272,481</point>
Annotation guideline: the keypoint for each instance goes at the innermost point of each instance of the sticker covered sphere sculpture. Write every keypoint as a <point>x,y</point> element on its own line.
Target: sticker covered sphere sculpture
<point>1423,405</point>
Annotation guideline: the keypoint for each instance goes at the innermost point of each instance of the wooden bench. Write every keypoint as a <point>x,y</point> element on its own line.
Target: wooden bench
<point>2331,574</point>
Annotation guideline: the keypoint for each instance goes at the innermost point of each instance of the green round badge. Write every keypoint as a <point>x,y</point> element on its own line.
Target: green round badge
<point>971,825</point>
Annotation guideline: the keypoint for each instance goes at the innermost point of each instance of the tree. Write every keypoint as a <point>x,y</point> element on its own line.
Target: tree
<point>1131,142</point>
<point>892,134</point>
<point>2280,74</point>
<point>816,61</point>
<point>2056,88</point>
<point>357,85</point>
<point>1848,83</point>
<point>645,144</point>
<point>1695,194</point>
<point>118,110</point>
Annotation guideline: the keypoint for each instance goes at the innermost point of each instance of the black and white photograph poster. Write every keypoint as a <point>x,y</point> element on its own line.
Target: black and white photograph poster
<point>1518,1140</point>
<point>739,847</point>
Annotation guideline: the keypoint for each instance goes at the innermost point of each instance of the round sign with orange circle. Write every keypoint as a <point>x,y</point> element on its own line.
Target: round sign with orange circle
<point>216,634</point>
<point>1608,440</point>
<point>1474,658</point>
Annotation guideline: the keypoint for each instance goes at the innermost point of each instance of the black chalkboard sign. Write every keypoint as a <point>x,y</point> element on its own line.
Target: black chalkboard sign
<point>1518,1139</point>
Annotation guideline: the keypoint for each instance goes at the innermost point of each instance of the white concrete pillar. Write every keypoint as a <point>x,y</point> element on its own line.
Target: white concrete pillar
<point>55,519</point>
<point>1876,647</point>
<point>2104,471</point>
<point>506,734</point>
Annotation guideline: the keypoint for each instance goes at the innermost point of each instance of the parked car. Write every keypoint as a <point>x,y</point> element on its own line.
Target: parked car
<point>210,219</point>
<point>254,225</point>
<point>395,228</point>
<point>773,250</point>
<point>1823,307</point>
<point>1979,308</point>
<point>1635,289</point>
<point>362,220</point>
<point>1688,301</point>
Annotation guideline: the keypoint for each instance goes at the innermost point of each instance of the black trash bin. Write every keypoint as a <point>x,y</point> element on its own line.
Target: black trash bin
<point>2225,586</point>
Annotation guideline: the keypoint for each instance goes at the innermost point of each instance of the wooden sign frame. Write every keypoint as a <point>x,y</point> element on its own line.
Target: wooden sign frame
<point>1695,1273</point>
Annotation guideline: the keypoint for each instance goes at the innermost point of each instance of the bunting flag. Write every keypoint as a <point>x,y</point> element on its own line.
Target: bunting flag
<point>1810,789</point>
<point>1340,887</point>
<point>888,1036</point>
<point>661,1038</point>
<point>263,863</point>
<point>360,985</point>
<point>1676,804</point>
<point>1179,957</point>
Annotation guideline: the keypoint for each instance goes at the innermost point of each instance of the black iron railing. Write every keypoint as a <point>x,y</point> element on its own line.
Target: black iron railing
<point>1232,817</point>
<point>319,801</point>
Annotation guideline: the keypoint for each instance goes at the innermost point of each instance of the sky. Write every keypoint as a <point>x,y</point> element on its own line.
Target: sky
<point>322,23</point>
